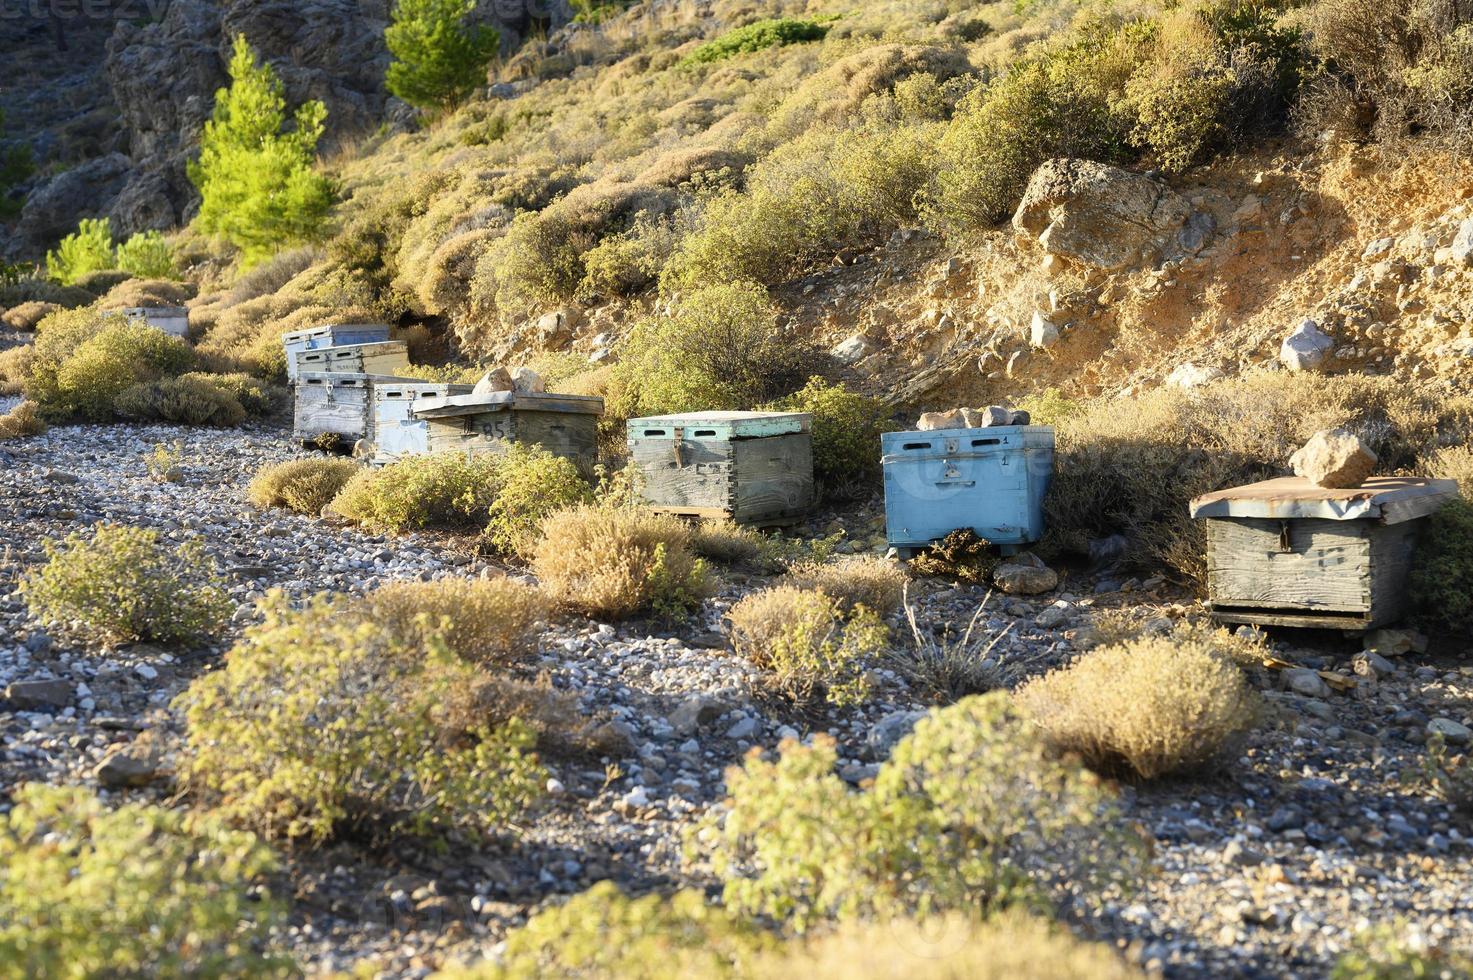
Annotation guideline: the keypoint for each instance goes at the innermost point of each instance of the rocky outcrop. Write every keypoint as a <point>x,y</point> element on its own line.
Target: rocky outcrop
<point>1103,217</point>
<point>85,191</point>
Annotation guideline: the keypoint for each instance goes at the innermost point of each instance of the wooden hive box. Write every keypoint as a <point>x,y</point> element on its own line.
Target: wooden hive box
<point>329,335</point>
<point>330,404</point>
<point>1288,553</point>
<point>748,467</point>
<point>382,358</point>
<point>393,429</point>
<point>565,425</point>
<point>172,320</point>
<point>990,480</point>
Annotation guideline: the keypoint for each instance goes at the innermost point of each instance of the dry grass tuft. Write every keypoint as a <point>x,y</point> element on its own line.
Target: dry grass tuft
<point>615,561</point>
<point>876,583</point>
<point>803,638</point>
<point>21,421</point>
<point>726,542</point>
<point>1147,707</point>
<point>490,620</point>
<point>944,667</point>
<point>303,485</point>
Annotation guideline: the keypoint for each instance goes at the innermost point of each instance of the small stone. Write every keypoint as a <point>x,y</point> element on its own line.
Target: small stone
<point>850,350</point>
<point>37,695</point>
<point>889,730</point>
<point>1306,348</point>
<point>38,642</point>
<point>1461,252</point>
<point>1335,459</point>
<point>1192,376</point>
<point>1042,332</point>
<point>555,787</point>
<point>694,712</point>
<point>745,727</point>
<point>1052,616</point>
<point>1451,731</point>
<point>1368,664</point>
<point>1394,643</point>
<point>934,421</point>
<point>128,765</point>
<point>1025,579</point>
<point>1239,855</point>
<point>1306,682</point>
<point>146,671</point>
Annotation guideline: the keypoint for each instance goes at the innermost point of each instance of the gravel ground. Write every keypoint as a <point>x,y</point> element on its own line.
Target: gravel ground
<point>1266,867</point>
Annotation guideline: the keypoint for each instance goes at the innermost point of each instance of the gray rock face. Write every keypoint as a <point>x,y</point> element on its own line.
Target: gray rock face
<point>1334,458</point>
<point>1307,348</point>
<point>1101,216</point>
<point>1462,247</point>
<point>85,191</point>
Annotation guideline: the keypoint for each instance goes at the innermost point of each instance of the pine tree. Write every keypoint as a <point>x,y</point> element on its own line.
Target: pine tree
<point>438,57</point>
<point>15,166</point>
<point>257,183</point>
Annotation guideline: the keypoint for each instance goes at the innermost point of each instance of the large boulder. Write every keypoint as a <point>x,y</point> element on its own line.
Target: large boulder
<point>1334,458</point>
<point>85,191</point>
<point>1100,216</point>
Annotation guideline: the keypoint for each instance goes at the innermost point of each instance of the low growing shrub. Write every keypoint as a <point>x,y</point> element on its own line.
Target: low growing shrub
<point>755,37</point>
<point>615,561</point>
<point>1442,573</point>
<point>727,543</point>
<point>1146,708</point>
<point>446,490</point>
<point>944,667</point>
<point>846,435</point>
<point>257,397</point>
<point>122,583</point>
<point>875,583</point>
<point>961,556</point>
<point>302,485</point>
<point>187,401</point>
<point>481,621</point>
<point>803,637</point>
<point>531,483</point>
<point>21,421</point>
<point>972,813</point>
<point>1398,951</point>
<point>88,890</point>
<point>320,722</point>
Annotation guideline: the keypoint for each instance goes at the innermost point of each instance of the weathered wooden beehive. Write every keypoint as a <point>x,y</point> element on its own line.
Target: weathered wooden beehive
<point>1288,553</point>
<point>749,467</point>
<point>393,429</point>
<point>172,320</point>
<point>329,335</point>
<point>565,425</point>
<point>331,404</point>
<point>383,358</point>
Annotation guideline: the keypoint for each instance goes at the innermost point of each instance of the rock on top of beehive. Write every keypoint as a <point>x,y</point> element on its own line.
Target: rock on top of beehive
<point>971,418</point>
<point>1335,459</point>
<point>493,381</point>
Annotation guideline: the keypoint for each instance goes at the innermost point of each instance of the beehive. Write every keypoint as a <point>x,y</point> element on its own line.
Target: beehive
<point>393,429</point>
<point>748,467</point>
<point>172,320</point>
<point>383,358</point>
<point>565,425</point>
<point>990,480</point>
<point>328,404</point>
<point>1288,553</point>
<point>329,335</point>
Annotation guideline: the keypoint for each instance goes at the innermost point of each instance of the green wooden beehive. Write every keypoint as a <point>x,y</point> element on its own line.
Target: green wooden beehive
<point>748,467</point>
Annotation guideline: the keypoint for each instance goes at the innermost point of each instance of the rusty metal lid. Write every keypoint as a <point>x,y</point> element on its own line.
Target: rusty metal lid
<point>1388,499</point>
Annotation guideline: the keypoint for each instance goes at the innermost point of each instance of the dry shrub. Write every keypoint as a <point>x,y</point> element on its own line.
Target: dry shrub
<point>683,165</point>
<point>302,485</point>
<point>185,400</point>
<point>616,561</point>
<point>961,556</point>
<point>482,621</point>
<point>876,583</point>
<point>726,542</point>
<point>1454,463</point>
<point>446,490</point>
<point>146,292</point>
<point>21,421</point>
<point>944,667</point>
<point>1132,466</point>
<point>804,638</point>
<point>1147,707</point>
<point>25,316</point>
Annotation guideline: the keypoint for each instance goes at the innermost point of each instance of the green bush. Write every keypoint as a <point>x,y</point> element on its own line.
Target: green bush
<point>719,349</point>
<point>531,483</point>
<point>846,435</point>
<point>302,485</point>
<point>186,401</point>
<point>1395,952</point>
<point>87,250</point>
<point>147,256</point>
<point>438,57</point>
<point>258,188</point>
<point>320,723</point>
<point>597,11</point>
<point>1442,575</point>
<point>88,380</point>
<point>972,813</point>
<point>755,37</point>
<point>257,397</point>
<point>90,891</point>
<point>122,583</point>
<point>805,640</point>
<point>445,490</point>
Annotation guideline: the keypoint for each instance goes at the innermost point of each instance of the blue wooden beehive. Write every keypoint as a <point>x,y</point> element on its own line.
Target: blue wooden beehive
<point>332,335</point>
<point>989,480</point>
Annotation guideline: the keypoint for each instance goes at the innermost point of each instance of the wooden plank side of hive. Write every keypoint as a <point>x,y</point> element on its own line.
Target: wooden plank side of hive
<point>1393,549</point>
<point>1303,564</point>
<point>774,477</point>
<point>343,411</point>
<point>697,480</point>
<point>572,435</point>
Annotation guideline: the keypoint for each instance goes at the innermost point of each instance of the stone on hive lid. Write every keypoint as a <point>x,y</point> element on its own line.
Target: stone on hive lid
<point>954,419</point>
<point>493,381</point>
<point>528,382</point>
<point>1335,459</point>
